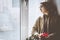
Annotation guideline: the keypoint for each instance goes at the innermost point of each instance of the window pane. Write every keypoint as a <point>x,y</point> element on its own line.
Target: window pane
<point>15,3</point>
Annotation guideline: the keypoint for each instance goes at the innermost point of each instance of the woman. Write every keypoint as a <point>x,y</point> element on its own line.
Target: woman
<point>48,26</point>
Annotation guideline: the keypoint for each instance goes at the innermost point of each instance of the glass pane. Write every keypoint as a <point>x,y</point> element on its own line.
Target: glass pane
<point>9,20</point>
<point>15,3</point>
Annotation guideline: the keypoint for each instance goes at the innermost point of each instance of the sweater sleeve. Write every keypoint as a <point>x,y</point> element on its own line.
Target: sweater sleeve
<point>36,26</point>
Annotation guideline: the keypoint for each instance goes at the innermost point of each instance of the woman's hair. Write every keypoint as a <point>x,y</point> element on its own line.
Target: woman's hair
<point>50,8</point>
<point>45,5</point>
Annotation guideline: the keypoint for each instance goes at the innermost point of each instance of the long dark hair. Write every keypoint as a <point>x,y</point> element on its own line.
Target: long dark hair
<point>50,8</point>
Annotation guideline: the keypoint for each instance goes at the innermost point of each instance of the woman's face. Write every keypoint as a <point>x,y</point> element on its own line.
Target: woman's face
<point>43,10</point>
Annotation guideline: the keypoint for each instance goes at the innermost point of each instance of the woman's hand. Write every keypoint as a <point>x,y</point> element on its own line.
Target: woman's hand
<point>39,35</point>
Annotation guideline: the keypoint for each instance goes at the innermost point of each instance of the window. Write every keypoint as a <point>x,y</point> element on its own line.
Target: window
<point>15,3</point>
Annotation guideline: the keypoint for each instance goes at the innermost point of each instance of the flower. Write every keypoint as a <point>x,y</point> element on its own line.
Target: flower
<point>44,34</point>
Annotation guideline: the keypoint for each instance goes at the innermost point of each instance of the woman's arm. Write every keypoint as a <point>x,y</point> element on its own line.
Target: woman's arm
<point>36,26</point>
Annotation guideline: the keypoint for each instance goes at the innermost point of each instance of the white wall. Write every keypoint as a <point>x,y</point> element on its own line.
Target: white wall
<point>58,5</point>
